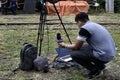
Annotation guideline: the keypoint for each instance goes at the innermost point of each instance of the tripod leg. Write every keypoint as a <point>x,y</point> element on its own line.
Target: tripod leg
<point>62,23</point>
<point>41,31</point>
<point>40,34</point>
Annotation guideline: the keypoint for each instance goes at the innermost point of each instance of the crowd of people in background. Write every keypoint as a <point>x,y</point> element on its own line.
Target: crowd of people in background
<point>8,6</point>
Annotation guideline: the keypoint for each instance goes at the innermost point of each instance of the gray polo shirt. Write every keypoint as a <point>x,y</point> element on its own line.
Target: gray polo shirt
<point>99,39</point>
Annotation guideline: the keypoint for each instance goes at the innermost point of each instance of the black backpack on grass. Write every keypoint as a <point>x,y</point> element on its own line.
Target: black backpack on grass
<point>27,56</point>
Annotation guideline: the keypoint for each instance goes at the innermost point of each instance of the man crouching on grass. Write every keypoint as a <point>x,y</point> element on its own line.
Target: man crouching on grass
<point>99,50</point>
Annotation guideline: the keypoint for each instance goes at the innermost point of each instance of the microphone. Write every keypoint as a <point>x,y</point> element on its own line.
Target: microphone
<point>59,38</point>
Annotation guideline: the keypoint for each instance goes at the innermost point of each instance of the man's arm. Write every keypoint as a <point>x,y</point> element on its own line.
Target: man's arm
<point>78,44</point>
<point>17,4</point>
<point>83,35</point>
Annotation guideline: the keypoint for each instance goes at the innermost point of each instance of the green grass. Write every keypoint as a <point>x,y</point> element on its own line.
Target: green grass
<point>12,39</point>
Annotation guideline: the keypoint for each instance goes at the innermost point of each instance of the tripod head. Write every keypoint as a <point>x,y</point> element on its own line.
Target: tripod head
<point>43,7</point>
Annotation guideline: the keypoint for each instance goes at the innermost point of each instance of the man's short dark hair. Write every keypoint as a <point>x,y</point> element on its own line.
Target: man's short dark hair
<point>82,16</point>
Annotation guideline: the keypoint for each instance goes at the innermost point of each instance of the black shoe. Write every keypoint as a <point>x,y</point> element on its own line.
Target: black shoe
<point>95,73</point>
<point>92,74</point>
<point>102,68</point>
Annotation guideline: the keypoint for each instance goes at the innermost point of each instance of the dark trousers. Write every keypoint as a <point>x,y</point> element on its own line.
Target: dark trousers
<point>4,9</point>
<point>13,9</point>
<point>85,58</point>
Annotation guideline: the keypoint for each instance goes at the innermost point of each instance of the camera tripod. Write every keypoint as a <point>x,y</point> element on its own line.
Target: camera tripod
<point>43,14</point>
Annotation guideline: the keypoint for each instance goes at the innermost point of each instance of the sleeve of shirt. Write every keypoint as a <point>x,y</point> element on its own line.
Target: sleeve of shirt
<point>83,34</point>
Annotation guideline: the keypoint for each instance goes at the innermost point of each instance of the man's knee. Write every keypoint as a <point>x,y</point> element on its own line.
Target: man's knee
<point>72,55</point>
<point>76,55</point>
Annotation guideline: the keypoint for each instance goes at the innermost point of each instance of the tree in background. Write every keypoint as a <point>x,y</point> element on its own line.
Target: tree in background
<point>102,5</point>
<point>117,6</point>
<point>109,6</point>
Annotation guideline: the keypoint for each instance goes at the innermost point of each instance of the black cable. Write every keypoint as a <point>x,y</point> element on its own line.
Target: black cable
<point>48,38</point>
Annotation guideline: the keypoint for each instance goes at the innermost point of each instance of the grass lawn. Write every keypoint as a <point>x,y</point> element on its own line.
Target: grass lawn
<point>13,37</point>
